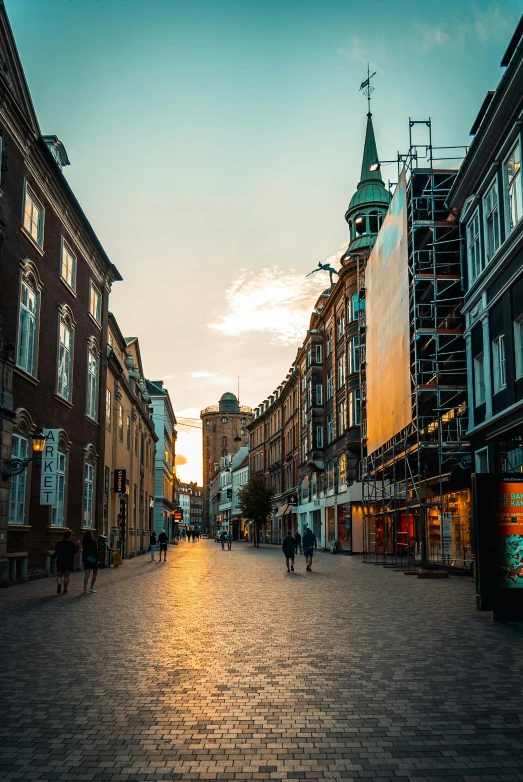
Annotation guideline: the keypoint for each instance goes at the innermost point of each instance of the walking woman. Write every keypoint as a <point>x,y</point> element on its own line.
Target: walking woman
<point>90,560</point>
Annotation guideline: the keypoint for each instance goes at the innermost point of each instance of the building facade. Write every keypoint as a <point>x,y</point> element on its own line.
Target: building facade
<point>224,431</point>
<point>190,500</point>
<point>165,427</point>
<point>55,284</point>
<point>130,448</point>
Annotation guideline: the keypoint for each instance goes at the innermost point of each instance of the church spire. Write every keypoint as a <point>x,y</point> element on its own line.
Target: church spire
<point>370,155</point>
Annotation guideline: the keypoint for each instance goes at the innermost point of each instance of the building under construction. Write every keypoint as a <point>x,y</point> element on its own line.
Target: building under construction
<point>416,459</point>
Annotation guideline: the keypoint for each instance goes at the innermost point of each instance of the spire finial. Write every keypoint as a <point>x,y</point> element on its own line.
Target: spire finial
<point>367,88</point>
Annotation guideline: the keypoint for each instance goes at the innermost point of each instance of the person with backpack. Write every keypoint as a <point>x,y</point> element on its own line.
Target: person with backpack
<point>162,540</point>
<point>64,554</point>
<point>309,543</point>
<point>289,549</point>
<point>152,544</point>
<point>90,560</point>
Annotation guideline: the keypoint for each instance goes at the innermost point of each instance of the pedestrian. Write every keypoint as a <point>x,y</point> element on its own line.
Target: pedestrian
<point>309,544</point>
<point>152,544</point>
<point>297,538</point>
<point>188,535</point>
<point>64,554</point>
<point>229,541</point>
<point>289,549</point>
<point>222,539</point>
<point>162,539</point>
<point>90,560</point>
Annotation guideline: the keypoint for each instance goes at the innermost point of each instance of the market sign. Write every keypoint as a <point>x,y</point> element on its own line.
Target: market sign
<point>48,477</point>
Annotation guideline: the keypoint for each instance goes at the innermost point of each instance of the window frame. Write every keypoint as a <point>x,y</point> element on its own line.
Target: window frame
<point>38,205</point>
<point>518,346</point>
<point>66,248</point>
<point>479,380</point>
<point>473,240</point>
<point>61,481</point>
<point>88,466</point>
<point>319,394</point>
<point>17,482</point>
<point>65,320</point>
<point>92,353</point>
<point>479,453</point>
<point>31,284</point>
<point>515,150</point>
<point>492,218</point>
<point>92,287</point>
<point>499,363</point>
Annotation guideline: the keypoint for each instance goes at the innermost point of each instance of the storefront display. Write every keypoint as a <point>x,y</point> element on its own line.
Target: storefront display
<point>449,531</point>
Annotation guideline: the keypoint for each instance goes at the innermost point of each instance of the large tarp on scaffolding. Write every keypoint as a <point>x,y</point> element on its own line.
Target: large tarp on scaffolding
<point>389,408</point>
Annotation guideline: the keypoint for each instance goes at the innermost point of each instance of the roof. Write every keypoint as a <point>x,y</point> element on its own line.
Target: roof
<point>229,396</point>
<point>371,189</point>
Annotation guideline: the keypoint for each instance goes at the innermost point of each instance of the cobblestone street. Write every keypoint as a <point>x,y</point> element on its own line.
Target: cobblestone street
<point>220,665</point>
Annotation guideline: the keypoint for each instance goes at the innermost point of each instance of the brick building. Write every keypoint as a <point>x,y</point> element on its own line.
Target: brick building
<point>55,284</point>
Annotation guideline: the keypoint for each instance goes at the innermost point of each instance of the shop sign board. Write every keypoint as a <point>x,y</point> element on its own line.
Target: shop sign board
<point>48,475</point>
<point>120,481</point>
<point>498,517</point>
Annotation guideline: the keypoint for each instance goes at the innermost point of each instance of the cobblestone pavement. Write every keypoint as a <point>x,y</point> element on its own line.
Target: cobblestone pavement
<point>220,665</point>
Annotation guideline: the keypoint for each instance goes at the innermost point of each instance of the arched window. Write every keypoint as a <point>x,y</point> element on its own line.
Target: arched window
<point>19,485</point>
<point>93,367</point>
<point>361,224</point>
<point>224,420</point>
<point>90,457</point>
<point>224,442</point>
<point>330,475</point>
<point>342,469</point>
<point>375,220</point>
<point>243,420</point>
<point>64,370</point>
<point>28,319</point>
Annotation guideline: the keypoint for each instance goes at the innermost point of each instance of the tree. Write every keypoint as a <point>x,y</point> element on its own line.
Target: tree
<point>255,501</point>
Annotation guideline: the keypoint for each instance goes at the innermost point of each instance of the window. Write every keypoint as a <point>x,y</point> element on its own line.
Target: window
<point>244,420</point>
<point>342,469</point>
<point>354,355</point>
<point>120,423</point>
<point>342,418</point>
<point>330,475</point>
<point>242,431</point>
<point>95,303</point>
<point>328,345</point>
<point>499,363</point>
<point>309,394</point>
<point>341,326</point>
<point>354,407</point>
<point>135,440</point>
<point>479,380</point>
<point>128,432</point>
<point>58,515</point>
<point>68,267</point>
<point>513,187</point>
<point>108,409</point>
<point>475,264</point>
<point>491,214</point>
<point>518,346</point>
<point>341,371</point>
<point>318,354</point>
<point>356,306</point>
<point>88,495</point>
<point>92,384</point>
<point>319,394</point>
<point>330,389</point>
<point>18,483</point>
<point>319,437</point>
<point>33,216</point>
<point>27,327</point>
<point>65,353</point>
<point>330,428</point>
<point>481,460</point>
<point>224,420</point>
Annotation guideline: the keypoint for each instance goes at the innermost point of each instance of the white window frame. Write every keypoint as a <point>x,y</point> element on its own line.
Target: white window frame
<point>58,512</point>
<point>93,382</point>
<point>499,363</point>
<point>354,407</point>
<point>108,409</point>
<point>319,354</point>
<point>28,366</point>
<point>328,344</point>
<point>492,223</point>
<point>319,437</point>
<point>96,316</point>
<point>480,392</point>
<point>330,385</point>
<point>341,371</point>
<point>474,254</point>
<point>65,358</point>
<point>319,394</point>
<point>36,206</point>
<point>516,185</point>
<point>518,346</point>
<point>18,483</point>
<point>342,417</point>
<point>67,253</point>
<point>330,428</point>
<point>88,499</point>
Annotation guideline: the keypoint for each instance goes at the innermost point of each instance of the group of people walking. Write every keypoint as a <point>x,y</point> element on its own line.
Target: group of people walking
<point>294,543</point>
<point>64,554</point>
<point>226,538</point>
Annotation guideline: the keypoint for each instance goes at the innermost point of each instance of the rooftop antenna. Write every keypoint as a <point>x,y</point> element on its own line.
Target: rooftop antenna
<point>366,87</point>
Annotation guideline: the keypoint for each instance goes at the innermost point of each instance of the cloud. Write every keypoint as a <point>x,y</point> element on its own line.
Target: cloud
<point>180,459</point>
<point>188,412</point>
<point>482,24</point>
<point>203,374</point>
<point>275,300</point>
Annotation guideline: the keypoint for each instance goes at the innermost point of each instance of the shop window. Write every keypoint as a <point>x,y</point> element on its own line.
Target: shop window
<point>499,363</point>
<point>491,215</point>
<point>342,469</point>
<point>479,379</point>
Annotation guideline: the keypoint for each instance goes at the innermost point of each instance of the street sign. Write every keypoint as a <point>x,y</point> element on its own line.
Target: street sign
<point>178,515</point>
<point>120,481</point>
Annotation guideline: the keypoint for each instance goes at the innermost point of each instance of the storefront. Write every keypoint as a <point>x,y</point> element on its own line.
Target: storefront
<point>449,531</point>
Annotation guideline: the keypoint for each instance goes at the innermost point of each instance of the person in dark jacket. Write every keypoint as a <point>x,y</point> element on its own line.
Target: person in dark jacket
<point>64,554</point>
<point>289,549</point>
<point>297,538</point>
<point>90,560</point>
<point>309,544</point>
<point>152,544</point>
<point>163,540</point>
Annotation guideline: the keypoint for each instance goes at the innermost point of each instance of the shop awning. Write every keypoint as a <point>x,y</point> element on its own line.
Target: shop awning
<point>284,510</point>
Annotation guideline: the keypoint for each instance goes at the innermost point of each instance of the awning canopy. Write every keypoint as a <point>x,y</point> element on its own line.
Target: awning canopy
<point>284,510</point>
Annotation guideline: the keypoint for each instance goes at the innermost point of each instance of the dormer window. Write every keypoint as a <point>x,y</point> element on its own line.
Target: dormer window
<point>57,150</point>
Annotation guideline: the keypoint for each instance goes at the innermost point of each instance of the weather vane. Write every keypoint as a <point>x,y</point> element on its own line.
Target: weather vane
<point>324,267</point>
<point>366,87</point>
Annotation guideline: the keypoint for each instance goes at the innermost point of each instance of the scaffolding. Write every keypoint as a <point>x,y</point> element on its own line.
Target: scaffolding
<point>408,505</point>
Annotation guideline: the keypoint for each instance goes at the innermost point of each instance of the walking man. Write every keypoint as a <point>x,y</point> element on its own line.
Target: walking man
<point>90,560</point>
<point>229,541</point>
<point>152,544</point>
<point>162,539</point>
<point>289,549</point>
<point>188,535</point>
<point>297,538</point>
<point>309,544</point>
<point>64,554</point>
<point>222,539</point>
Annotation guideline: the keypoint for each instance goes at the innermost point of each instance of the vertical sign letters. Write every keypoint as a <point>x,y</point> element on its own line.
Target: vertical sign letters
<point>49,466</point>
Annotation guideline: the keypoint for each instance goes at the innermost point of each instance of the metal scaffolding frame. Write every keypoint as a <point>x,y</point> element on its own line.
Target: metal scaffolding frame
<point>404,480</point>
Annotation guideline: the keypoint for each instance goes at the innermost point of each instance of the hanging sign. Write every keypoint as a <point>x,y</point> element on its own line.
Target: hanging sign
<point>49,468</point>
<point>120,481</point>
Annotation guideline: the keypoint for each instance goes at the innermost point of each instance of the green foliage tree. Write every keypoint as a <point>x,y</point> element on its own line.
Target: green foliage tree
<point>255,501</point>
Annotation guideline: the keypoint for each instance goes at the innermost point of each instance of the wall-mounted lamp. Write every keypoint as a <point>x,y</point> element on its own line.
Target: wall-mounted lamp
<point>17,466</point>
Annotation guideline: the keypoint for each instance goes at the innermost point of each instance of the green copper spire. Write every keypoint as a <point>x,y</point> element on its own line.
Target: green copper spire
<point>370,155</point>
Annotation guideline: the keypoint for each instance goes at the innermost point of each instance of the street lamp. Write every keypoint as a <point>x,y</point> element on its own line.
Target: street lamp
<point>17,466</point>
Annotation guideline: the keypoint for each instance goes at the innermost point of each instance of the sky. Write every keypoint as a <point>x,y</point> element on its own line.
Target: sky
<point>215,145</point>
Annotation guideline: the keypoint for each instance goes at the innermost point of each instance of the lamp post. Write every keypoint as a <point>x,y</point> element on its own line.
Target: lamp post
<point>17,466</point>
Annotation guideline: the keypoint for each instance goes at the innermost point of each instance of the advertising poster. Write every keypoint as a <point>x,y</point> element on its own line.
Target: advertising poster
<point>508,520</point>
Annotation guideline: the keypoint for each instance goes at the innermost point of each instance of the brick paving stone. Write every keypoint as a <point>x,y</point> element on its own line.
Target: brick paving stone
<point>221,666</point>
